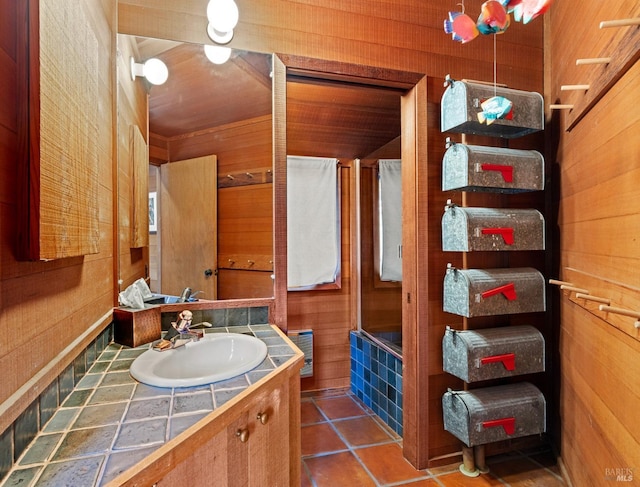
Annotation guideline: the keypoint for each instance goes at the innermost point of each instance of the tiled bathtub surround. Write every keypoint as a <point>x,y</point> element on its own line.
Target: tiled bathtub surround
<point>19,435</point>
<point>376,379</point>
<point>110,422</point>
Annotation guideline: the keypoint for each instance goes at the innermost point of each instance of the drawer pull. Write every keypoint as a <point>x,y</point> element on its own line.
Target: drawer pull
<point>509,424</point>
<point>243,435</point>
<point>506,171</point>
<point>508,291</point>
<point>506,233</point>
<point>263,417</point>
<point>508,360</point>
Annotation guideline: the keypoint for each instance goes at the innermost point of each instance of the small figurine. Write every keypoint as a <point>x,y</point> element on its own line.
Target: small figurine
<point>177,328</point>
<point>495,108</point>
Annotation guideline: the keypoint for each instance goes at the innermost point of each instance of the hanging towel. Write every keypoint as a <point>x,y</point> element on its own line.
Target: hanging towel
<point>390,219</point>
<point>312,221</point>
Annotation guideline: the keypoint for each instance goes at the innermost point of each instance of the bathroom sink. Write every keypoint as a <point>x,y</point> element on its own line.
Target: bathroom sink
<point>217,356</point>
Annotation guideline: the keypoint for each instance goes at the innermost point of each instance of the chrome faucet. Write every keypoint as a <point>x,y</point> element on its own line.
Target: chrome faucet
<point>185,295</point>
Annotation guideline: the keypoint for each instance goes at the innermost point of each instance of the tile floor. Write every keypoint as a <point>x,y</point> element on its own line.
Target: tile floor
<point>345,444</point>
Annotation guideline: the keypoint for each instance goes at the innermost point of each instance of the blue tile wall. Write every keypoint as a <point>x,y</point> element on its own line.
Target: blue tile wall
<point>376,378</point>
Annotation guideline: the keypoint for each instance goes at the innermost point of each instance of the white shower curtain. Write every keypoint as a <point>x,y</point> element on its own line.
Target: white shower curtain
<point>390,171</point>
<point>312,221</point>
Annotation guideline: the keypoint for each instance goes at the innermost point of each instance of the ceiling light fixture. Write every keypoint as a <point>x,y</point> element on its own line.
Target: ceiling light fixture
<point>154,70</point>
<point>217,54</point>
<point>219,37</point>
<point>223,16</point>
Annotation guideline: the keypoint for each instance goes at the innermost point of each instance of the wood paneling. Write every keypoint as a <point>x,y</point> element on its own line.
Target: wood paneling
<point>199,95</point>
<point>140,183</point>
<point>404,36</point>
<point>380,301</point>
<point>132,111</point>
<point>59,306</point>
<point>245,214</point>
<point>597,173</point>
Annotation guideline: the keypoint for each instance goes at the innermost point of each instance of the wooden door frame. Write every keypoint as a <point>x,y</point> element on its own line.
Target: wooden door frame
<point>414,130</point>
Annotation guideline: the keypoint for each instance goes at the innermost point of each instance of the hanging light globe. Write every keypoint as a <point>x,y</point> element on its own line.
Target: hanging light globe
<point>217,54</point>
<point>222,15</point>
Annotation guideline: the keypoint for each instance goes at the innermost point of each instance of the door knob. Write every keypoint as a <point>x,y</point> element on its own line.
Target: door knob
<point>263,417</point>
<point>208,273</point>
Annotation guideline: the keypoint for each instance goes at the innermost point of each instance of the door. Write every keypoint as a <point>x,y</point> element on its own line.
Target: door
<point>188,226</point>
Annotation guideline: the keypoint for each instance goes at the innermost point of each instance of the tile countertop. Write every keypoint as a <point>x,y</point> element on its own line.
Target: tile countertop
<point>110,421</point>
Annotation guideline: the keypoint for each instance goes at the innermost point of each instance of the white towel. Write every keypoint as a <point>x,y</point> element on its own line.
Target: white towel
<point>312,221</point>
<point>390,171</point>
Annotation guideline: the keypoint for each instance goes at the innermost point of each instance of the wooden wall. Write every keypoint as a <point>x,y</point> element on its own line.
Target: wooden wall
<point>133,109</point>
<point>380,301</point>
<point>596,180</point>
<point>406,35</point>
<point>45,306</point>
<point>245,212</point>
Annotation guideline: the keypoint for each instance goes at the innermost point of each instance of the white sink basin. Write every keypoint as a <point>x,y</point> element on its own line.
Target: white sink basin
<point>217,356</point>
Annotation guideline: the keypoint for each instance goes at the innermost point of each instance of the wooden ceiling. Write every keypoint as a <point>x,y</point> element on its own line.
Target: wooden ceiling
<point>324,118</point>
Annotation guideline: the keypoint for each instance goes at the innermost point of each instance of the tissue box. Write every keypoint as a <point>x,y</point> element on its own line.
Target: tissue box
<point>491,414</point>
<point>493,353</point>
<point>135,327</point>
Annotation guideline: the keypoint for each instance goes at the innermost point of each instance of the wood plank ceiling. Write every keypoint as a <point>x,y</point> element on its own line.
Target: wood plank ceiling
<point>324,118</point>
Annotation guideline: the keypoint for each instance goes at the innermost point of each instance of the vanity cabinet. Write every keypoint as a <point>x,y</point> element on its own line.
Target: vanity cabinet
<point>252,440</point>
<point>250,450</point>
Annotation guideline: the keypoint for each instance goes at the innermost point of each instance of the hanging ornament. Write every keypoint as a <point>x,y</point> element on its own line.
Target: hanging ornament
<point>493,18</point>
<point>526,10</point>
<point>461,27</point>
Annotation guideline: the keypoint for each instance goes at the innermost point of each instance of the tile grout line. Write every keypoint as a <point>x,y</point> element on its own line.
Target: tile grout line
<point>352,449</point>
<point>63,433</point>
<point>103,467</point>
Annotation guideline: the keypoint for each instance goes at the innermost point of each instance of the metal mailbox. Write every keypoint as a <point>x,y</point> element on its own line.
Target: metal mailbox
<point>468,229</point>
<point>493,353</point>
<point>461,102</point>
<point>492,169</point>
<point>488,292</point>
<point>491,414</point>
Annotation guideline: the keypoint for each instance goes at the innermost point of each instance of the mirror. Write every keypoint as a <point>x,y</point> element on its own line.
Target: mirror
<point>203,110</point>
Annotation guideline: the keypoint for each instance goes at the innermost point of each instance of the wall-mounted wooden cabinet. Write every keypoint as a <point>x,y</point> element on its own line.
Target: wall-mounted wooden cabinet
<point>59,87</point>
